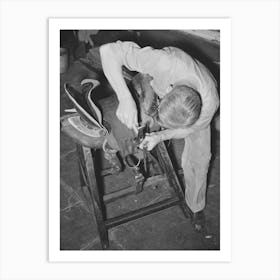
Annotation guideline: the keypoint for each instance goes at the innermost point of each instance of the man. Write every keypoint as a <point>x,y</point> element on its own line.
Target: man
<point>188,100</point>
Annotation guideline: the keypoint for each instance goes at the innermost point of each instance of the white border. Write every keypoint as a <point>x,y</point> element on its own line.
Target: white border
<point>55,255</point>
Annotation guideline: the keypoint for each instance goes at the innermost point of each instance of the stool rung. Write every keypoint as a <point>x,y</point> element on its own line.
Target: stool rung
<point>152,181</point>
<point>139,213</point>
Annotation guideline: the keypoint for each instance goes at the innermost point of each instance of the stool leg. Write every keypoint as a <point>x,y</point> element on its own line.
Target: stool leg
<point>82,175</point>
<point>167,166</point>
<point>87,164</point>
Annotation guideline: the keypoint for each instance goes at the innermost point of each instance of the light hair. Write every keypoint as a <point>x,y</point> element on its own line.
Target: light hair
<point>180,107</point>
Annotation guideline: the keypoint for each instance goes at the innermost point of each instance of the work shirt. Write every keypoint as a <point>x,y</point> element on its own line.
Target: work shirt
<point>171,66</point>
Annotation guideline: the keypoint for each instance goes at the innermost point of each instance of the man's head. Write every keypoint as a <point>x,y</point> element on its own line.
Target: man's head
<point>180,107</point>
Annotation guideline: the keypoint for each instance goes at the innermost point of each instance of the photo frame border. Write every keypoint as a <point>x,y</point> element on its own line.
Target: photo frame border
<point>222,255</point>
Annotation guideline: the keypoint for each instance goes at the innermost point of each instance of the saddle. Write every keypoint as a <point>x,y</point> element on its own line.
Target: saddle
<point>98,125</point>
<point>94,123</point>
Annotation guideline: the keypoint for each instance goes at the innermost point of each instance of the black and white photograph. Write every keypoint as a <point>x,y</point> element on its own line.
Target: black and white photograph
<point>140,139</point>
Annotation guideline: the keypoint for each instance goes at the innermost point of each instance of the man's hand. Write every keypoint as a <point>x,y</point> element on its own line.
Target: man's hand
<point>127,113</point>
<point>150,141</point>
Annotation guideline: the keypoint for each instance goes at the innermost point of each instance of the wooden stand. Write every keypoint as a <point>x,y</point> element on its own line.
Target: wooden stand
<point>88,179</point>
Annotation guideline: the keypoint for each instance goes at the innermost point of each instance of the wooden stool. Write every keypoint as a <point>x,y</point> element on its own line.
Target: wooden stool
<point>86,149</point>
<point>88,178</point>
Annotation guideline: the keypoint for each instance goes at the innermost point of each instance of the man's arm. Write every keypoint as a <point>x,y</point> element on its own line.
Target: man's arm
<point>152,139</point>
<point>112,62</point>
<point>176,133</point>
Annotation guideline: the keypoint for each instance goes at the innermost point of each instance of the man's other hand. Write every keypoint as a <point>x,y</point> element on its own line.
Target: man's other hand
<point>127,114</point>
<point>150,141</point>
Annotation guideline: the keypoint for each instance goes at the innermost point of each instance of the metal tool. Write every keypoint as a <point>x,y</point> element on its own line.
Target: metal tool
<point>133,163</point>
<point>142,130</point>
